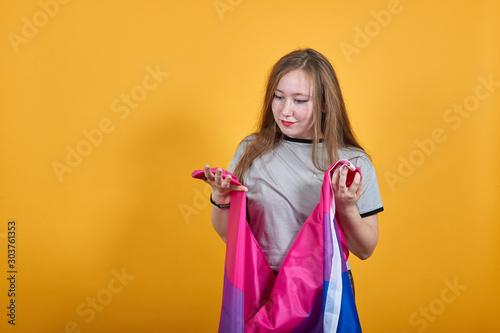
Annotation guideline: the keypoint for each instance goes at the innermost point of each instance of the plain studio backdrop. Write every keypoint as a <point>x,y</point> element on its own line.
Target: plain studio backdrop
<point>107,107</point>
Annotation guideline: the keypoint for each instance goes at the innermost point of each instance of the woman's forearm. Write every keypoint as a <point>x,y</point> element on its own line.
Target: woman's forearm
<point>221,195</point>
<point>361,233</point>
<point>220,219</point>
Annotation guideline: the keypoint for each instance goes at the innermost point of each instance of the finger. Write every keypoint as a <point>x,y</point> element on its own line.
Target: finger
<point>355,181</point>
<point>335,176</point>
<point>208,174</point>
<point>239,188</point>
<point>354,185</point>
<point>343,178</point>
<point>226,182</point>
<point>218,176</point>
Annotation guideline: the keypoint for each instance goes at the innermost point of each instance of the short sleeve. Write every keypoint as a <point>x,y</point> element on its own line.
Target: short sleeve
<point>242,147</point>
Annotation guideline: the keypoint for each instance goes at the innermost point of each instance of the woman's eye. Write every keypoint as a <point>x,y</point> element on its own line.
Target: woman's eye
<point>301,101</point>
<point>278,97</point>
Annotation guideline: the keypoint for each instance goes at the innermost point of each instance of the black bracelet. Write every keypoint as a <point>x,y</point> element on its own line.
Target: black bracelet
<point>217,205</point>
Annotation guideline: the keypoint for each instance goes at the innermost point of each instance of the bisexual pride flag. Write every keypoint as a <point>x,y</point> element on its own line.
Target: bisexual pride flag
<point>312,292</point>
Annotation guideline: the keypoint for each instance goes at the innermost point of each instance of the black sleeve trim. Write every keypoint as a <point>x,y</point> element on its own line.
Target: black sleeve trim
<point>373,212</point>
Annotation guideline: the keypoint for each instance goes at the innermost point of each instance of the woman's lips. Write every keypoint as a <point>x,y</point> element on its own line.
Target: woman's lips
<point>287,123</point>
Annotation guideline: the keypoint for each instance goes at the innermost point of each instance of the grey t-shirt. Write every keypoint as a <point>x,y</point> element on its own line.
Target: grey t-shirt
<point>284,187</point>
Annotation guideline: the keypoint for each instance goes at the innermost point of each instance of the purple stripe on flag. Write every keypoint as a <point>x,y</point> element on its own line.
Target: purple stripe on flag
<point>231,316</point>
<point>313,323</point>
<point>328,247</point>
<point>339,244</point>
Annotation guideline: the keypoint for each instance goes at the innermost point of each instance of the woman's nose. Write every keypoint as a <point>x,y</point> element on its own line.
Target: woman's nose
<point>287,109</point>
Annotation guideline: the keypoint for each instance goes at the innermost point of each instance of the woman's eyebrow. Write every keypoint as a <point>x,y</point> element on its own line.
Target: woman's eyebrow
<point>294,94</point>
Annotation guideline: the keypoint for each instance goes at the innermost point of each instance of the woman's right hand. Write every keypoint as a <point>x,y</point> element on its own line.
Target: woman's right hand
<point>221,188</point>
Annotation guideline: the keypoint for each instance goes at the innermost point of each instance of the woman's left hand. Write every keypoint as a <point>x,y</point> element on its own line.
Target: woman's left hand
<point>361,234</point>
<point>346,196</point>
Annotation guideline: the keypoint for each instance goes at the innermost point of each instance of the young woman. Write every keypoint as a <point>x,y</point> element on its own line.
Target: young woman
<point>304,129</point>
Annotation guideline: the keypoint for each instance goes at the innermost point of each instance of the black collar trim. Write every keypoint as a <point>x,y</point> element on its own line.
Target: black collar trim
<point>287,138</point>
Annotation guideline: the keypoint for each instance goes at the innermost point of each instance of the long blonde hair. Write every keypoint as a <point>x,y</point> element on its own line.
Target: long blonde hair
<point>331,122</point>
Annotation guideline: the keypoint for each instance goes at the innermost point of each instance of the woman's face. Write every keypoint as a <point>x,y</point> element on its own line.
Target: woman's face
<point>292,105</point>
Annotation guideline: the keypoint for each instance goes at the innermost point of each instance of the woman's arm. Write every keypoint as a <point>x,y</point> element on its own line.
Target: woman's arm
<point>221,195</point>
<point>361,233</point>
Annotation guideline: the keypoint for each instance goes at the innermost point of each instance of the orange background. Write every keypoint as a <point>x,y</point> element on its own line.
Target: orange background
<point>117,238</point>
